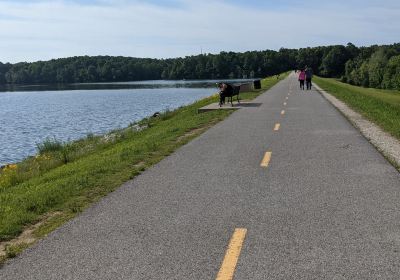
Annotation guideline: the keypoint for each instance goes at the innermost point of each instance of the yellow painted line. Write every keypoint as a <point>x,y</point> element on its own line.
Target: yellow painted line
<point>266,159</point>
<point>282,112</point>
<point>232,255</point>
<point>277,126</point>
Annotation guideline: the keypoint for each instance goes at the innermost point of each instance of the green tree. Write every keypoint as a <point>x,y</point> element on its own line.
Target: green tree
<point>391,77</point>
<point>376,68</point>
<point>364,66</point>
<point>333,64</point>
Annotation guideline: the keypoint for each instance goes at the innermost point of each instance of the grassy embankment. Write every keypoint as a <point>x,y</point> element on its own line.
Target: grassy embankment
<point>65,178</point>
<point>379,106</point>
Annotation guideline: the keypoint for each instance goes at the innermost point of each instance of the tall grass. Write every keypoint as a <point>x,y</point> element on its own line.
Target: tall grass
<point>49,145</point>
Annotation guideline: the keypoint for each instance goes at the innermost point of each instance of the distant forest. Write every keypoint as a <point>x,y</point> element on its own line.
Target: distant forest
<point>373,66</point>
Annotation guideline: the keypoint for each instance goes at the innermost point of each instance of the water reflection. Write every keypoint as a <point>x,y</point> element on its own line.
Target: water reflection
<point>121,85</point>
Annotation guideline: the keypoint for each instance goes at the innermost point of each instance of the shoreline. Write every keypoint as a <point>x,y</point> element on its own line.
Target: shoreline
<point>68,122</point>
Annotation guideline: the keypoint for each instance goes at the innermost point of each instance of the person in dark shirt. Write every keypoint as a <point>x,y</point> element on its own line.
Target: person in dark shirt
<point>309,75</point>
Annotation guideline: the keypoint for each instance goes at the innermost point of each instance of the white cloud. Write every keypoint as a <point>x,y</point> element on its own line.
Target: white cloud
<point>50,29</point>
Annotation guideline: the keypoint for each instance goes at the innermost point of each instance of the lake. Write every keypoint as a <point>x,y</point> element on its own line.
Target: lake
<point>30,114</point>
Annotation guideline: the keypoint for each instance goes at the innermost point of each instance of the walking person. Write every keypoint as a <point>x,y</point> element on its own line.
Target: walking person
<point>302,77</point>
<point>309,75</point>
<point>226,90</point>
<point>222,88</point>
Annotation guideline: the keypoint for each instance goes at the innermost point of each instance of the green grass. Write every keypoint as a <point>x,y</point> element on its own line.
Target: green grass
<point>379,106</point>
<point>13,250</point>
<point>68,177</point>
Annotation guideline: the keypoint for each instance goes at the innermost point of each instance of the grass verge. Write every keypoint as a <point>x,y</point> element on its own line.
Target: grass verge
<point>379,106</point>
<point>67,177</point>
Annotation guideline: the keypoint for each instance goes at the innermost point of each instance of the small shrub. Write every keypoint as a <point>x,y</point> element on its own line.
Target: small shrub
<point>66,153</point>
<point>167,114</point>
<point>49,145</point>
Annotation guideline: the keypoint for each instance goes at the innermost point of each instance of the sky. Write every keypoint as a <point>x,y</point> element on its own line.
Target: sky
<point>32,30</point>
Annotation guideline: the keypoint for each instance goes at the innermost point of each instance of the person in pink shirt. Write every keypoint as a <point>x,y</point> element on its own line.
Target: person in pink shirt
<point>302,77</point>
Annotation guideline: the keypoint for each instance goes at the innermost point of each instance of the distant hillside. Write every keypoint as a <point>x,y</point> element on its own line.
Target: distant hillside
<point>374,66</point>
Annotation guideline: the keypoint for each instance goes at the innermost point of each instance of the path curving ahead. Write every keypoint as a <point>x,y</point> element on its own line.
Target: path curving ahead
<point>296,191</point>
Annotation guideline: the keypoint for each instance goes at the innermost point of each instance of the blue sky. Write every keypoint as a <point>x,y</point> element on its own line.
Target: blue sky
<point>43,29</point>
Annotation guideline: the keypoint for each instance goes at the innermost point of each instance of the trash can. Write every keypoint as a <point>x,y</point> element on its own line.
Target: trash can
<point>257,84</point>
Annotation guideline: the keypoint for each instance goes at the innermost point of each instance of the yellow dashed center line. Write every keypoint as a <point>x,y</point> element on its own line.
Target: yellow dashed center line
<point>232,255</point>
<point>266,159</point>
<point>282,112</point>
<point>277,126</point>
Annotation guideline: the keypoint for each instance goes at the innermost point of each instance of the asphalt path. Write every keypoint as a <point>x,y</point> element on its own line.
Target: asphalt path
<point>311,200</point>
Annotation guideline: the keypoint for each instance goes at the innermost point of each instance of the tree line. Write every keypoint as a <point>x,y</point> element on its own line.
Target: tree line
<point>373,66</point>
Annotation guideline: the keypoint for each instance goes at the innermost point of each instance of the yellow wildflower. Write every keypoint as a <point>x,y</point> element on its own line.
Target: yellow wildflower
<point>12,166</point>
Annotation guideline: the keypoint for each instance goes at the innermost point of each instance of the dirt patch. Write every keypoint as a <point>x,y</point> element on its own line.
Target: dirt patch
<point>27,237</point>
<point>192,133</point>
<point>139,164</point>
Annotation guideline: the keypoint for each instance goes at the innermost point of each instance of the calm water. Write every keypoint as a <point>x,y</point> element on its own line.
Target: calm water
<point>30,114</point>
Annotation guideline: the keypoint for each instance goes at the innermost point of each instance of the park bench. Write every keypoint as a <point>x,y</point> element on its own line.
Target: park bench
<point>235,92</point>
<point>236,88</point>
<point>230,93</point>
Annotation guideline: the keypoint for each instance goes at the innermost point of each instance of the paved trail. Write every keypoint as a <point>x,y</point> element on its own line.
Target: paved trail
<point>324,205</point>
